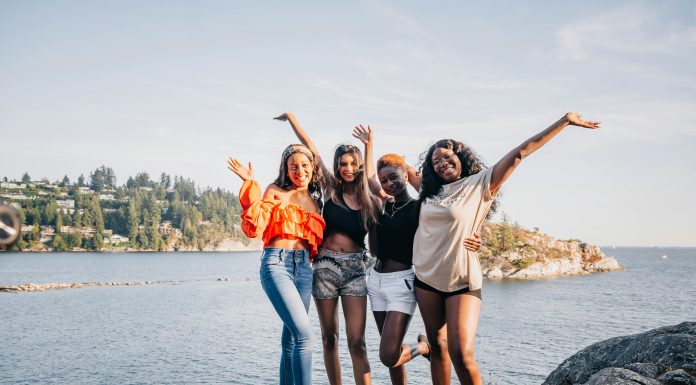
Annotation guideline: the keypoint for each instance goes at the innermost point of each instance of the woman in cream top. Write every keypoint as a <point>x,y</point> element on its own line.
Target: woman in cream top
<point>457,193</point>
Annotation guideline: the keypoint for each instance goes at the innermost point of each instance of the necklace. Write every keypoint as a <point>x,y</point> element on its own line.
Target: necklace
<point>395,209</point>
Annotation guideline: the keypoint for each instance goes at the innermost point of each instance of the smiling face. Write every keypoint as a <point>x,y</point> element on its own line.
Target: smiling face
<point>300,169</point>
<point>393,180</point>
<point>348,167</point>
<point>446,165</point>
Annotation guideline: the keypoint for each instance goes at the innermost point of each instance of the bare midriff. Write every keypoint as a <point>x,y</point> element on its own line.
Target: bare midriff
<point>390,266</point>
<point>288,242</point>
<point>340,242</point>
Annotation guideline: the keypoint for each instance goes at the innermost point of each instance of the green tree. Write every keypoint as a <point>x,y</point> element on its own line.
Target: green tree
<point>59,221</point>
<point>48,214</point>
<point>35,233</point>
<point>133,219</point>
<point>165,181</point>
<point>26,178</point>
<point>59,243</point>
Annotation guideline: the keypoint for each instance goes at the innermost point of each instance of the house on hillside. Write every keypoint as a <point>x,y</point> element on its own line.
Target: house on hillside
<point>116,239</point>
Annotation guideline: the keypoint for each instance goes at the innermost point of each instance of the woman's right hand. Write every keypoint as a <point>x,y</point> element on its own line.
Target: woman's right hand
<point>575,119</point>
<point>243,172</point>
<point>284,116</point>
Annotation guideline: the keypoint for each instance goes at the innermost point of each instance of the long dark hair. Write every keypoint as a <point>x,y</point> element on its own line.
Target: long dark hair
<point>316,183</point>
<point>369,205</point>
<point>431,182</point>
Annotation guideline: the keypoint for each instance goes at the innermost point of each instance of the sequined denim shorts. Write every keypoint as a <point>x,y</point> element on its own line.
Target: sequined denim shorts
<point>338,274</point>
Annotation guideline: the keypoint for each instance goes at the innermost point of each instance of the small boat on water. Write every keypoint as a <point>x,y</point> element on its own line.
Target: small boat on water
<point>664,256</point>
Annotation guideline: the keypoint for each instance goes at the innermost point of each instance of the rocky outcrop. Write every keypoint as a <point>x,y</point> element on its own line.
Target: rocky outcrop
<point>534,255</point>
<point>664,356</point>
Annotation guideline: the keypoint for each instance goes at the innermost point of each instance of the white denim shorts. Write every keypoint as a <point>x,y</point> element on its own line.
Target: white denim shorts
<point>392,291</point>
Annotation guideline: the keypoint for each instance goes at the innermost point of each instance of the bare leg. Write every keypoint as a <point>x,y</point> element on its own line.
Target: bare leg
<point>432,309</point>
<point>327,310</point>
<point>462,321</point>
<point>392,351</point>
<point>355,311</point>
<point>396,374</point>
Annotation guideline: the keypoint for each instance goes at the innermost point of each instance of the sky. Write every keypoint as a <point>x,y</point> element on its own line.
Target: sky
<point>179,86</point>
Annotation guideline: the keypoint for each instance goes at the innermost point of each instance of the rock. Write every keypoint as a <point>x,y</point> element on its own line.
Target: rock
<point>677,377</point>
<point>605,264</point>
<point>671,348</point>
<point>494,274</point>
<point>618,376</point>
<point>644,369</point>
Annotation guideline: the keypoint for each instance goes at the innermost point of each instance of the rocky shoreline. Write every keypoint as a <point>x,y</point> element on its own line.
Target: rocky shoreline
<point>29,287</point>
<point>540,256</point>
<point>227,245</point>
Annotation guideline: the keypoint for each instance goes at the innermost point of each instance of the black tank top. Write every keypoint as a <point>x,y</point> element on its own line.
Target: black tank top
<point>396,230</point>
<point>344,220</point>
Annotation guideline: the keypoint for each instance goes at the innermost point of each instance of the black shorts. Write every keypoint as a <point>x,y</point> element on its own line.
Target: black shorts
<point>422,285</point>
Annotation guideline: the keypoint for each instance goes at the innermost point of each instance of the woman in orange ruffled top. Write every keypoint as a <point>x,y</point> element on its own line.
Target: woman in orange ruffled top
<point>287,216</point>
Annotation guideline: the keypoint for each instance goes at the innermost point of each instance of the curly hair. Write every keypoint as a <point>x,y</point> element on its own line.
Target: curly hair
<point>431,182</point>
<point>318,181</point>
<point>391,160</point>
<point>369,205</point>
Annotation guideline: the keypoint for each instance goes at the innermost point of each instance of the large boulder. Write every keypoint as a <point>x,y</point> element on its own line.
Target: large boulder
<point>661,356</point>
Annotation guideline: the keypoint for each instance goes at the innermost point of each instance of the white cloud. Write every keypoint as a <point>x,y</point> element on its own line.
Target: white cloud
<point>632,29</point>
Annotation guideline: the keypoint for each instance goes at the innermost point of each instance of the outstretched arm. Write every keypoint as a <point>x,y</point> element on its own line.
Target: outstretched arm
<point>304,138</point>
<point>505,166</point>
<point>364,134</point>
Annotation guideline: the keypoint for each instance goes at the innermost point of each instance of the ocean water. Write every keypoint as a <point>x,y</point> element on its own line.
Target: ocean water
<point>204,330</point>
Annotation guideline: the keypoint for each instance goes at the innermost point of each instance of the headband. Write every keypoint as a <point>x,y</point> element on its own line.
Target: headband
<point>295,148</point>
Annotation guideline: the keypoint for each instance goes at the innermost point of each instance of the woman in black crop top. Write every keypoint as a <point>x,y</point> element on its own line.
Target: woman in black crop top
<point>339,269</point>
<point>391,284</point>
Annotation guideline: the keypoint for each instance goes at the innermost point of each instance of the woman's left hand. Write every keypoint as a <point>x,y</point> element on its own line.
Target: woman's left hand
<point>363,134</point>
<point>473,243</point>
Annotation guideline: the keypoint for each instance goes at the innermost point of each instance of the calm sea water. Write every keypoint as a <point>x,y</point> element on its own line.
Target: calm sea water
<point>201,330</point>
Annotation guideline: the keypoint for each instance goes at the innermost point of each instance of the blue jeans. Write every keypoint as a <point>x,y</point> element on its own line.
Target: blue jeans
<point>286,277</point>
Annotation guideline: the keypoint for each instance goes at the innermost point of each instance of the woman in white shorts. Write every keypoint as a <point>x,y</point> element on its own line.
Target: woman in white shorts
<point>390,286</point>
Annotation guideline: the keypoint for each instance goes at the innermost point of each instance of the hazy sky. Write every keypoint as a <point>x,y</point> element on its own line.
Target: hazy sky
<point>178,86</point>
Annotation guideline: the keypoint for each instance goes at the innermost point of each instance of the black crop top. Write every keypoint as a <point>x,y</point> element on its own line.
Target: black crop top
<point>343,220</point>
<point>395,232</point>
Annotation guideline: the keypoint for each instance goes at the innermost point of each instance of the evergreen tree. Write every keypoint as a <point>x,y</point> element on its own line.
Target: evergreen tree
<point>165,181</point>
<point>48,214</point>
<point>36,233</point>
<point>143,180</point>
<point>65,182</point>
<point>26,178</point>
<point>59,221</point>
<point>133,219</point>
<point>81,181</point>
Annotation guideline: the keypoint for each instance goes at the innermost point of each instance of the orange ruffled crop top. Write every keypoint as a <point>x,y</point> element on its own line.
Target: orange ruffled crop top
<point>274,218</point>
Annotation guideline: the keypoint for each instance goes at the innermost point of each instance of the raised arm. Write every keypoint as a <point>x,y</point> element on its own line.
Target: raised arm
<point>304,139</point>
<point>236,167</point>
<point>364,134</point>
<point>505,166</point>
<point>414,177</point>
